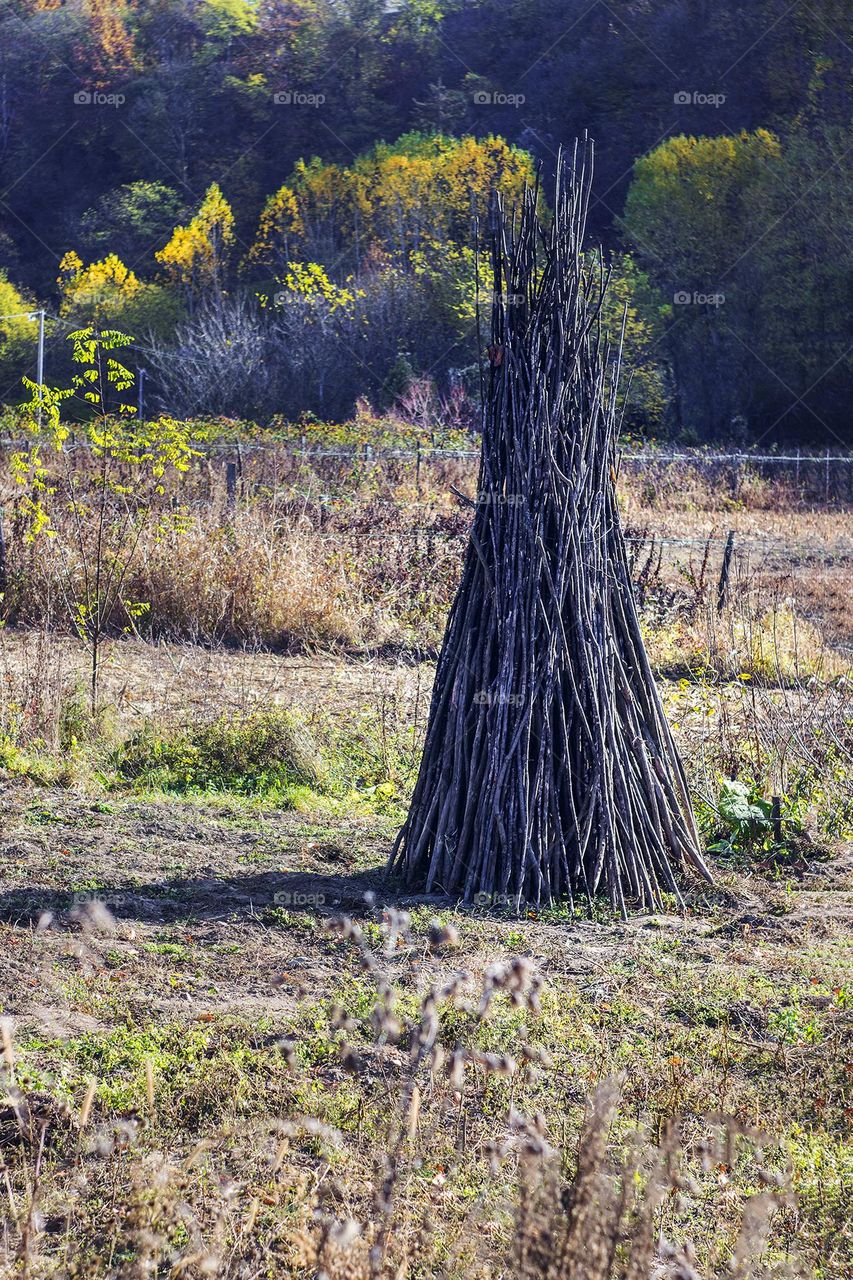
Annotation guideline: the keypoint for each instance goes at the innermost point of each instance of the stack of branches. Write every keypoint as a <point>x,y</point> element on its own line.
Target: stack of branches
<point>549,769</point>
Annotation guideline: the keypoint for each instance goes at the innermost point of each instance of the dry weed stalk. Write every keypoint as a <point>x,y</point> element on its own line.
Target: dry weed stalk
<point>193,1217</point>
<point>603,1222</point>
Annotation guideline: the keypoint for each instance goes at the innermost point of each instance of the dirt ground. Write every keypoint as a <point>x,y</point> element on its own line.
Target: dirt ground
<point>131,927</point>
<point>214,876</point>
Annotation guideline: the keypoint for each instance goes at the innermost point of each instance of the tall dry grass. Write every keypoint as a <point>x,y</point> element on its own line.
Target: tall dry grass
<point>301,551</point>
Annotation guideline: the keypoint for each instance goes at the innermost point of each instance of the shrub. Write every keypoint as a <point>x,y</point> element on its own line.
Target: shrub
<point>265,753</point>
<point>749,822</point>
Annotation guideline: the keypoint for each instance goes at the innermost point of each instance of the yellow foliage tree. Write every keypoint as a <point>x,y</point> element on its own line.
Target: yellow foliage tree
<point>98,290</point>
<point>18,331</point>
<point>401,196</point>
<point>107,49</point>
<point>279,227</point>
<point>436,187</point>
<point>17,316</point>
<point>196,254</point>
<point>107,293</point>
<point>691,208</point>
<point>309,282</point>
<point>315,208</point>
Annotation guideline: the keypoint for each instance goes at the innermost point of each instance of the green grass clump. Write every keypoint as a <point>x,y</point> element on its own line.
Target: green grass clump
<point>198,1071</point>
<point>263,754</point>
<point>364,766</point>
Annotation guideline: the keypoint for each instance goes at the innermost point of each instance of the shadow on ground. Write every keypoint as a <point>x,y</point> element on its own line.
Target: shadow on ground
<point>215,898</point>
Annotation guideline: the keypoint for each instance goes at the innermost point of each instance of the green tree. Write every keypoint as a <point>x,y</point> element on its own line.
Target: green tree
<point>801,273</point>
<point>634,311</point>
<point>742,237</point>
<point>694,218</point>
<point>109,503</point>
<point>131,221</point>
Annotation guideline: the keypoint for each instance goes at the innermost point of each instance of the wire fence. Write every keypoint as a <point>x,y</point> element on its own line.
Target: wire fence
<point>371,453</point>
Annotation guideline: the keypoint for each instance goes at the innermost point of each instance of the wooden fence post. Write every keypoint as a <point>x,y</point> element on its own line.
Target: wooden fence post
<point>231,483</point>
<point>3,570</point>
<point>723,585</point>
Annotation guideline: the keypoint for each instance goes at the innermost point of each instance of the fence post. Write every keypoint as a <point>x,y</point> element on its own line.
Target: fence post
<point>723,585</point>
<point>3,573</point>
<point>231,483</point>
<point>736,475</point>
<point>827,477</point>
<point>418,468</point>
<point>776,820</point>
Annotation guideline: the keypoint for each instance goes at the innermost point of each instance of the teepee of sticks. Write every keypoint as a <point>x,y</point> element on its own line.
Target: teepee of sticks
<point>549,769</point>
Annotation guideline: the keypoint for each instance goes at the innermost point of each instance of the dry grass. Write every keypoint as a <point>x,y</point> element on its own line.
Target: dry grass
<point>788,733</point>
<point>353,554</point>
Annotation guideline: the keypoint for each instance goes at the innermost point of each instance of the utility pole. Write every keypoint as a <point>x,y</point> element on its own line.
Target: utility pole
<point>39,315</point>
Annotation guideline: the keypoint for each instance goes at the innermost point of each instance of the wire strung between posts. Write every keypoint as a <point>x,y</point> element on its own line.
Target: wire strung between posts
<point>374,454</point>
<point>548,768</point>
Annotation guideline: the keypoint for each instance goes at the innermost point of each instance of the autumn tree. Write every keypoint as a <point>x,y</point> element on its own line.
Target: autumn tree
<point>105,49</point>
<point>740,234</point>
<point>397,196</point>
<point>694,218</point>
<point>18,333</point>
<point>196,255</point>
<point>107,293</point>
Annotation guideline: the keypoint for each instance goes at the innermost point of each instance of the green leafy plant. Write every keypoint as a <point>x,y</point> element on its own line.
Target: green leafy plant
<point>111,503</point>
<point>751,823</point>
<point>266,753</point>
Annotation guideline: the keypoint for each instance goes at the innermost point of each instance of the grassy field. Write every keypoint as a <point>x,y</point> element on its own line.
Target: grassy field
<point>231,1047</point>
<point>200,1067</point>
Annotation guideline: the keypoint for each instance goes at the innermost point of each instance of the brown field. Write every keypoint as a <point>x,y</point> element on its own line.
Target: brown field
<point>359,554</point>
